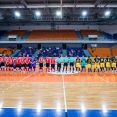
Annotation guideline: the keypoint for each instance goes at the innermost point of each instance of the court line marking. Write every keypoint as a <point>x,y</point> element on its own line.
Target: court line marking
<point>64,93</point>
<point>111,83</point>
<point>101,78</point>
<point>60,108</point>
<point>19,81</point>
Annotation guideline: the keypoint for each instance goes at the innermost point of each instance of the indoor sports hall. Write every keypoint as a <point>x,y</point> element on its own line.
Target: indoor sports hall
<point>58,58</point>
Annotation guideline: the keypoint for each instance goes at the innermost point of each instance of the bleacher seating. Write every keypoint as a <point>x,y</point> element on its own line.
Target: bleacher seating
<point>114,51</point>
<point>26,50</point>
<point>85,33</point>
<point>53,35</point>
<point>108,36</point>
<point>115,36</point>
<point>7,51</point>
<point>2,32</point>
<point>50,51</point>
<point>104,52</point>
<point>19,33</point>
<point>74,51</point>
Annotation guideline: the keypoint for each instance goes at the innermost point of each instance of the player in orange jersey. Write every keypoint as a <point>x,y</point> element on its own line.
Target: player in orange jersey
<point>11,62</point>
<point>23,63</point>
<point>47,64</point>
<point>27,62</point>
<point>53,64</point>
<point>18,64</point>
<point>7,63</point>
<point>41,60</point>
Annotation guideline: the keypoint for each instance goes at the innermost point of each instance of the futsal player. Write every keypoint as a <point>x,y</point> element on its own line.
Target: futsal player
<point>14,64</point>
<point>78,62</point>
<point>89,64</point>
<point>23,66</point>
<point>108,62</point>
<point>2,60</point>
<point>27,62</point>
<point>114,64</point>
<point>47,64</point>
<point>7,63</point>
<point>72,60</point>
<point>18,64</point>
<point>96,64</point>
<point>11,62</point>
<point>65,65</point>
<point>101,64</point>
<point>33,63</point>
<point>41,60</point>
<point>83,64</point>
<point>52,63</point>
<point>0,63</point>
<point>59,60</point>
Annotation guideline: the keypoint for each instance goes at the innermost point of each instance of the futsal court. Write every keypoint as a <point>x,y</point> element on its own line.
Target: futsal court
<point>37,94</point>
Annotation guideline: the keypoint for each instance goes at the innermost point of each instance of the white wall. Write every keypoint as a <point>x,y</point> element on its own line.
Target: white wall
<point>25,27</point>
<point>48,27</point>
<point>108,28</point>
<point>78,27</point>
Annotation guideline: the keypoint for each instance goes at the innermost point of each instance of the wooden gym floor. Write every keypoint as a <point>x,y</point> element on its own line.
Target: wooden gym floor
<point>48,91</point>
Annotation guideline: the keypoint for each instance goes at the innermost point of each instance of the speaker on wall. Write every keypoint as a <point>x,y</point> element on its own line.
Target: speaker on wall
<point>64,46</point>
<point>84,46</point>
<point>19,46</point>
<point>39,46</point>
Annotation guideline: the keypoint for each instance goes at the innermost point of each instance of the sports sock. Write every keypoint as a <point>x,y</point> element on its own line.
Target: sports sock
<point>7,69</point>
<point>3,69</point>
<point>73,69</point>
<point>91,70</point>
<point>34,69</point>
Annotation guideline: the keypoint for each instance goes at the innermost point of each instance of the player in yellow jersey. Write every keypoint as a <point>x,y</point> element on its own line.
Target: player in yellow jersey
<point>78,63</point>
<point>101,64</point>
<point>108,64</point>
<point>96,64</point>
<point>89,64</point>
<point>113,65</point>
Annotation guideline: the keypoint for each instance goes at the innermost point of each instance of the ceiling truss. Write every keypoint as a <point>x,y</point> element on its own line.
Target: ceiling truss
<point>71,12</point>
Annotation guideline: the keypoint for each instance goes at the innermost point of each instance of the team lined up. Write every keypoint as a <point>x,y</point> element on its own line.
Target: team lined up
<point>79,64</point>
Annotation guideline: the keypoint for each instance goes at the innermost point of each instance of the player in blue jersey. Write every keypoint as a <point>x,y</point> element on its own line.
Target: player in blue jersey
<point>83,63</point>
<point>72,60</point>
<point>33,63</point>
<point>66,60</point>
<point>59,60</point>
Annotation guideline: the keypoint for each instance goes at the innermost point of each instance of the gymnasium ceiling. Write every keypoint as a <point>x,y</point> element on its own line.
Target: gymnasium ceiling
<point>71,12</point>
